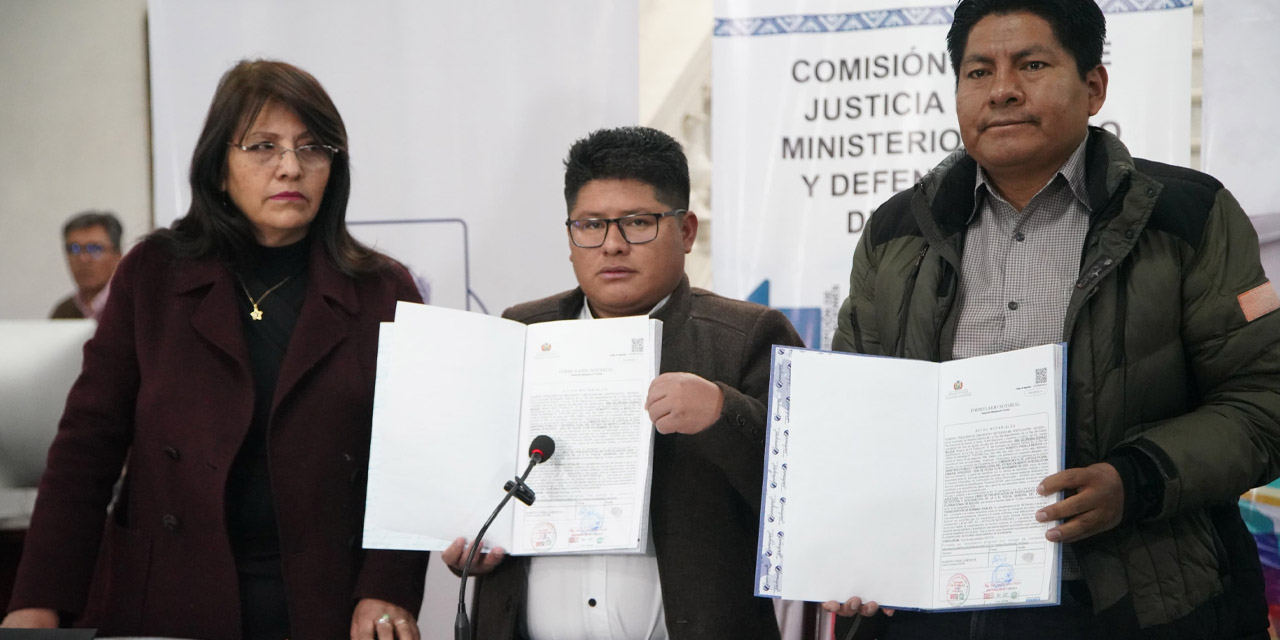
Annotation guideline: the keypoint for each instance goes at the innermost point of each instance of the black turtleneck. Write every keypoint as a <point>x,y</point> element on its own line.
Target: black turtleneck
<point>251,516</point>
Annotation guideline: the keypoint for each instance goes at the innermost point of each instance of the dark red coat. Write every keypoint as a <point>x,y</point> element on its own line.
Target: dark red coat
<point>166,382</point>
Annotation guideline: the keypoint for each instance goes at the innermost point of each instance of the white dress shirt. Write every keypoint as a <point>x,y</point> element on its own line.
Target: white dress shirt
<point>603,596</point>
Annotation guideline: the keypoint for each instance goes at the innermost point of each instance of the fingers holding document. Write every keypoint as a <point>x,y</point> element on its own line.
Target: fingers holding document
<point>683,403</point>
<point>855,607</point>
<point>1096,506</point>
<point>455,555</point>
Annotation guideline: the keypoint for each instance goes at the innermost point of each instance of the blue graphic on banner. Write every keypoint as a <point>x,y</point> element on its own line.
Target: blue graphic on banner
<point>806,320</point>
<point>833,22</point>
<point>889,18</point>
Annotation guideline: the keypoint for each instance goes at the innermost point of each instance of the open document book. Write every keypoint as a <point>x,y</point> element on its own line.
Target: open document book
<point>460,396</point>
<point>911,483</point>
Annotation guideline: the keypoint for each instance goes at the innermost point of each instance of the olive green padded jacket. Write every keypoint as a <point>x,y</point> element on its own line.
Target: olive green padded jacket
<point>1162,360</point>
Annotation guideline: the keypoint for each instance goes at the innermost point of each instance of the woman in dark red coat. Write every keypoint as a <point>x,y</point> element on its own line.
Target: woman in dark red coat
<point>233,368</point>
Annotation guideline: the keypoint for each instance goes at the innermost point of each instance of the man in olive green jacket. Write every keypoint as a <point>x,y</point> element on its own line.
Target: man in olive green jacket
<point>1149,272</point>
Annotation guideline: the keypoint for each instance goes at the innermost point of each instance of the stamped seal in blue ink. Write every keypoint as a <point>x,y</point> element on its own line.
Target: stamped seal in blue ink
<point>591,520</point>
<point>1003,574</point>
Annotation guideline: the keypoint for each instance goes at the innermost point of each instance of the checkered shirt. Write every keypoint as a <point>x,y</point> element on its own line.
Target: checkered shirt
<point>1019,268</point>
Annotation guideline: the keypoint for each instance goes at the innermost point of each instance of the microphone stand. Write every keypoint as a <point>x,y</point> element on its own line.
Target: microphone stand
<point>515,487</point>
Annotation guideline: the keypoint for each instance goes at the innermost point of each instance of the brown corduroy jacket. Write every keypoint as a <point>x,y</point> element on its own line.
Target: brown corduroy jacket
<point>705,501</point>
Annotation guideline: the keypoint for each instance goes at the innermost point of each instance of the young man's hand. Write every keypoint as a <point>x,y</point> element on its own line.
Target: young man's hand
<point>683,403</point>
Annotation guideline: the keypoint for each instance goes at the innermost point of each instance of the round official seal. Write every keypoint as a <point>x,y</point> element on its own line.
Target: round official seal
<point>957,590</point>
<point>591,520</point>
<point>543,536</point>
<point>1002,575</point>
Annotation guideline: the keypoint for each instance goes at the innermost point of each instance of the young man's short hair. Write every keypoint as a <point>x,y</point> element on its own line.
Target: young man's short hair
<point>629,153</point>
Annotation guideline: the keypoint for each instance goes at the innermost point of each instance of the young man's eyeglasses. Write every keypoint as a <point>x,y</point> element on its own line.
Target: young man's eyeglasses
<point>94,250</point>
<point>637,228</point>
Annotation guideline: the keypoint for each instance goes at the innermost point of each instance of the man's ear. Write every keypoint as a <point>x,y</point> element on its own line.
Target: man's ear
<point>1096,80</point>
<point>688,230</point>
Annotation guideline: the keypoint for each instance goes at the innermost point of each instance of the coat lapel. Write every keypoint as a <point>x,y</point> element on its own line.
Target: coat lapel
<point>214,315</point>
<point>328,311</point>
<point>677,309</point>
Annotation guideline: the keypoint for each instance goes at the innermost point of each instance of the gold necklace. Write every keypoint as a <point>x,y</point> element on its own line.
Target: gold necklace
<point>256,314</point>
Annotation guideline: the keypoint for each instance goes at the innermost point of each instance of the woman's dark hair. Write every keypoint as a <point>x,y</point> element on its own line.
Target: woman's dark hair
<point>213,226</point>
<point>629,153</point>
<point>1079,25</point>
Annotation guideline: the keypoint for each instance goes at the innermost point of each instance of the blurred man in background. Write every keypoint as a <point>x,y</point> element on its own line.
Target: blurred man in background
<point>92,242</point>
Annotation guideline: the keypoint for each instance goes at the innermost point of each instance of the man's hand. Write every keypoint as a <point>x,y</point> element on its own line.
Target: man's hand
<point>382,620</point>
<point>455,555</point>
<point>1097,505</point>
<point>854,606</point>
<point>683,403</point>
<point>31,619</point>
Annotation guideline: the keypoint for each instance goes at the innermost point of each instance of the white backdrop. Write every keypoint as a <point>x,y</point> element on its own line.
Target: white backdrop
<point>1240,130</point>
<point>459,115</point>
<point>823,113</point>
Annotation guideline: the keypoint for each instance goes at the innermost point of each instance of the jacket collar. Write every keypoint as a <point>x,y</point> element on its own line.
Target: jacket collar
<point>948,188</point>
<point>676,311</point>
<point>673,314</point>
<point>326,280</point>
<point>329,302</point>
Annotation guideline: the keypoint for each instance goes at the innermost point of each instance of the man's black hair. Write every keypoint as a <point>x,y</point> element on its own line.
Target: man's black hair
<point>629,153</point>
<point>1078,25</point>
<point>105,219</point>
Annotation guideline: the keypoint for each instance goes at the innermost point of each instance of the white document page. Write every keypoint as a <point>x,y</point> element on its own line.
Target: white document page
<point>446,406</point>
<point>999,436</point>
<point>586,382</point>
<point>861,432</point>
<point>911,483</point>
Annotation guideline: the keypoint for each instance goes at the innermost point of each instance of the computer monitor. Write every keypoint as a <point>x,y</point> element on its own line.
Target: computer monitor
<point>39,361</point>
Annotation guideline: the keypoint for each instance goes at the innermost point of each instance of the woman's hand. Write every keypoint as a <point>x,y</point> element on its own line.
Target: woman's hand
<point>31,619</point>
<point>382,620</point>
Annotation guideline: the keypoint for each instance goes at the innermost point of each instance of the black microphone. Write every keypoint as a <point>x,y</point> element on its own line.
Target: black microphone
<point>543,447</point>
<point>540,450</point>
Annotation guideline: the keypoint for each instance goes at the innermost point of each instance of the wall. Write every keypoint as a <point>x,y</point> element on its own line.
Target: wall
<point>74,126</point>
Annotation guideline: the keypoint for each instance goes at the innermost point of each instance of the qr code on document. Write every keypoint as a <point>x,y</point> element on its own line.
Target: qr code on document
<point>1042,375</point>
<point>637,345</point>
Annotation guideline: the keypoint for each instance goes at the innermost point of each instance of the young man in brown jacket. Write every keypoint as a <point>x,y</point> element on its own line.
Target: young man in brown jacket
<point>627,192</point>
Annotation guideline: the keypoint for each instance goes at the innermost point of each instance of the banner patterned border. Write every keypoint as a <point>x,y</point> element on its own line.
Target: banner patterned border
<point>889,18</point>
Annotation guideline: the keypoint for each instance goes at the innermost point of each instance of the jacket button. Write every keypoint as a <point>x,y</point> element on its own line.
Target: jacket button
<point>1150,192</point>
<point>173,453</point>
<point>1128,234</point>
<point>171,522</point>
